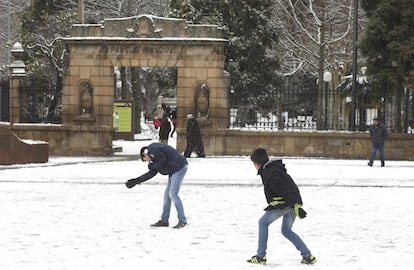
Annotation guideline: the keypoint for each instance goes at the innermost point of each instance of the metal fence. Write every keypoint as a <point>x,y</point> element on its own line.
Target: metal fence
<point>288,110</point>
<point>255,119</point>
<point>330,110</point>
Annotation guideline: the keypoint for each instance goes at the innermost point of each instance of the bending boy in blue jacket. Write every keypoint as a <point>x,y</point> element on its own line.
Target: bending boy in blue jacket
<point>165,160</point>
<point>284,200</point>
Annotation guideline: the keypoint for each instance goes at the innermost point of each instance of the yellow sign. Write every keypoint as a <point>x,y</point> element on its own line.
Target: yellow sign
<point>122,118</point>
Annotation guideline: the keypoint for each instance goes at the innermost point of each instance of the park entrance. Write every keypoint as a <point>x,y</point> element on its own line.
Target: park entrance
<point>196,51</point>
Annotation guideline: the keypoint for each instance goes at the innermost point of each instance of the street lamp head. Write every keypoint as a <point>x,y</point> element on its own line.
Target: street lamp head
<point>363,70</point>
<point>327,76</point>
<point>17,51</point>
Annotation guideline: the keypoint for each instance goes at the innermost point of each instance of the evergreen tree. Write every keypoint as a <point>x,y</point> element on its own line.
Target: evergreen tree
<point>252,39</point>
<point>388,45</point>
<point>43,24</point>
<point>370,6</point>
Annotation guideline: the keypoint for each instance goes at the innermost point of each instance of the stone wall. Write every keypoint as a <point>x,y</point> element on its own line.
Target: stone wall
<point>75,140</point>
<point>70,141</point>
<point>13,150</point>
<point>345,145</point>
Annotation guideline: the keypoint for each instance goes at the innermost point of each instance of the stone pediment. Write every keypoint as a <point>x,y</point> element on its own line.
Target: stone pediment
<point>146,26</point>
<point>143,26</point>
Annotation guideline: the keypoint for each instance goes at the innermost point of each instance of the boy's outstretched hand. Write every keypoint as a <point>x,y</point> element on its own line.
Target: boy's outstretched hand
<point>132,182</point>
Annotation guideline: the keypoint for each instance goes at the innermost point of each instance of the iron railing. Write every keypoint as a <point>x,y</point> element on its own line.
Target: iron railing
<point>289,113</point>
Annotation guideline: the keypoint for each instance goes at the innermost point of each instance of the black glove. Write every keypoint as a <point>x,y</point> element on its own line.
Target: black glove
<point>132,182</point>
<point>299,211</point>
<point>302,213</point>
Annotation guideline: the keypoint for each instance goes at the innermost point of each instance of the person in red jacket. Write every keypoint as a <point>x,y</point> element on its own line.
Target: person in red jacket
<point>284,200</point>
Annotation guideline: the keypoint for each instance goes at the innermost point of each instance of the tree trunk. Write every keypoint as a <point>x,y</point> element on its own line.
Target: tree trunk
<point>137,99</point>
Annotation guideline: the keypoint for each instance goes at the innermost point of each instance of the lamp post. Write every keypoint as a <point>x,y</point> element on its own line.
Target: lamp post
<point>8,35</point>
<point>18,73</point>
<point>354,65</point>
<point>363,82</point>
<point>327,78</point>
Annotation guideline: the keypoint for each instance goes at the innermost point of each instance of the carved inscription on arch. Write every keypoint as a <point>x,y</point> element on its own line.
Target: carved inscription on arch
<point>139,49</point>
<point>150,50</point>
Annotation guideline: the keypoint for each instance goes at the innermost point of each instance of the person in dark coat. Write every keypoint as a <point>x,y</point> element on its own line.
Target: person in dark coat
<point>194,142</point>
<point>284,200</point>
<point>378,134</point>
<point>173,117</point>
<point>165,128</point>
<point>165,160</point>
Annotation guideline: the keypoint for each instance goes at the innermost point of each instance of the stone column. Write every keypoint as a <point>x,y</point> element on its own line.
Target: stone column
<point>17,80</point>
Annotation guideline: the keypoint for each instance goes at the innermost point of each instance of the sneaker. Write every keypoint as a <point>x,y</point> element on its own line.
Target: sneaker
<point>308,260</point>
<point>370,164</point>
<point>180,225</point>
<point>257,259</point>
<point>160,223</point>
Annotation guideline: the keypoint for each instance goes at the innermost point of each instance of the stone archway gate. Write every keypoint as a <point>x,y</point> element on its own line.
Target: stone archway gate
<point>196,51</point>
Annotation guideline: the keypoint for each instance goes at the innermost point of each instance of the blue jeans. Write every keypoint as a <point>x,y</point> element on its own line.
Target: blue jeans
<point>375,148</point>
<point>171,194</point>
<point>288,218</point>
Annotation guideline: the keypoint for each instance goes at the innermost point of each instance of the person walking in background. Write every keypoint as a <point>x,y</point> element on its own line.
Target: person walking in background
<point>165,128</point>
<point>156,122</point>
<point>173,117</point>
<point>194,142</point>
<point>165,160</point>
<point>378,134</point>
<point>284,200</point>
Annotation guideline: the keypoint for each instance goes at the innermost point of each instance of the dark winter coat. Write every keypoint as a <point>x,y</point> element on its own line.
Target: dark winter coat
<point>278,183</point>
<point>165,129</point>
<point>193,135</point>
<point>164,160</point>
<point>378,134</point>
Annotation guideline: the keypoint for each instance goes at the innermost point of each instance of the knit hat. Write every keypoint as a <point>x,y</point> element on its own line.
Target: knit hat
<point>144,151</point>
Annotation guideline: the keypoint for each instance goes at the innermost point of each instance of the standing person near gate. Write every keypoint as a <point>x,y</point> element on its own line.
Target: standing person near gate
<point>173,117</point>
<point>194,142</point>
<point>284,201</point>
<point>165,160</point>
<point>378,134</point>
<point>165,128</point>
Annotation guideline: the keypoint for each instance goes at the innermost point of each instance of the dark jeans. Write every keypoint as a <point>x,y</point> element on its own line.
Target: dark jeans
<point>288,217</point>
<point>375,148</point>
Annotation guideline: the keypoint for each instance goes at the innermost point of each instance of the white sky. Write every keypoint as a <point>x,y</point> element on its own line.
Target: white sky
<point>72,213</point>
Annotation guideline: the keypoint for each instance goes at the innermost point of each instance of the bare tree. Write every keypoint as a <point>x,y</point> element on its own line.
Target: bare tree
<point>316,37</point>
<point>97,10</point>
<point>42,42</point>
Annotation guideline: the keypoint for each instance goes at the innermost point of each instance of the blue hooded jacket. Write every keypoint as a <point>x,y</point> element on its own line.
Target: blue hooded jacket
<point>164,160</point>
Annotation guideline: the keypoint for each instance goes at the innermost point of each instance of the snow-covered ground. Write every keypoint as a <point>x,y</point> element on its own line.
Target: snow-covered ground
<point>76,213</point>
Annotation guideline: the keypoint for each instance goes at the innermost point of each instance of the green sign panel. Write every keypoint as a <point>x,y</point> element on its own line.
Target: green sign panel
<point>122,118</point>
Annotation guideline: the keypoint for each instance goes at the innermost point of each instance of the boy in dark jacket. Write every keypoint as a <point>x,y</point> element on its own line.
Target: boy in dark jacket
<point>165,160</point>
<point>284,200</point>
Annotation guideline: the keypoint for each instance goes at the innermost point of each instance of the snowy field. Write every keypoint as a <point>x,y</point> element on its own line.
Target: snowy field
<point>76,213</point>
